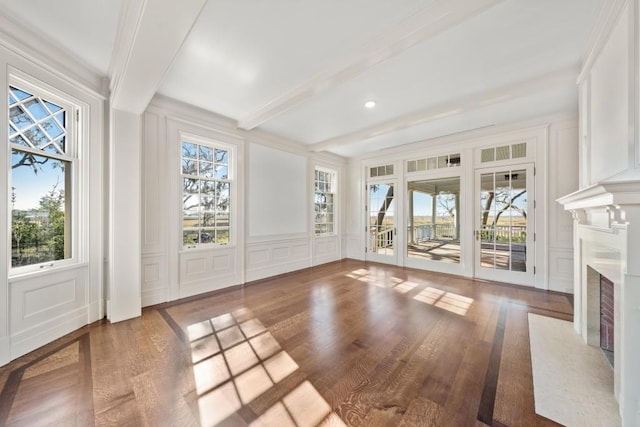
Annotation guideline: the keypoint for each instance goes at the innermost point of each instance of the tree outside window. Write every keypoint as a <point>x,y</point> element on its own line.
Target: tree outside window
<point>41,171</point>
<point>323,199</point>
<point>206,194</point>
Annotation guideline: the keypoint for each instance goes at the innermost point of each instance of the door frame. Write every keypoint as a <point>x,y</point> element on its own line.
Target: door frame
<point>377,257</point>
<point>526,278</point>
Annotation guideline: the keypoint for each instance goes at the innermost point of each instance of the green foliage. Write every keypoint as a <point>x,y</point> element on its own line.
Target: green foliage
<point>39,235</point>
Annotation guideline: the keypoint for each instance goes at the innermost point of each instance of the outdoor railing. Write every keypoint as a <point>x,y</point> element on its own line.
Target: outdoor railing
<point>383,238</point>
<point>425,232</point>
<point>504,233</point>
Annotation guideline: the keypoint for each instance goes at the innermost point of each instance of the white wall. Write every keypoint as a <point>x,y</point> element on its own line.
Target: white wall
<point>277,203</point>
<point>272,207</point>
<point>609,97</point>
<point>562,180</point>
<point>609,104</point>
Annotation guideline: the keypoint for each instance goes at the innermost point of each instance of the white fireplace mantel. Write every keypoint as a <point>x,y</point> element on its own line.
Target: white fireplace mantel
<point>607,241</point>
<point>603,194</point>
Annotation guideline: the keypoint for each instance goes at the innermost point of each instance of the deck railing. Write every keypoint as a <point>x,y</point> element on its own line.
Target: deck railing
<point>425,232</point>
<point>504,233</point>
<point>383,237</point>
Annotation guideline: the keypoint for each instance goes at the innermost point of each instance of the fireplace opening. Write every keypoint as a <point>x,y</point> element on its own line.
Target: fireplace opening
<point>606,318</point>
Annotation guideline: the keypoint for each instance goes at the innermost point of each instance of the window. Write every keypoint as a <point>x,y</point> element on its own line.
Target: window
<point>42,167</point>
<point>206,194</point>
<point>323,200</point>
<point>438,162</point>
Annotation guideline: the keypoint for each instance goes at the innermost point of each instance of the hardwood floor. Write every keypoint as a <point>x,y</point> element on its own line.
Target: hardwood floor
<point>345,343</point>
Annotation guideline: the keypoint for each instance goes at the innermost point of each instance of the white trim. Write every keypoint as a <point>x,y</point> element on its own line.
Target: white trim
<point>454,107</point>
<point>139,66</point>
<point>607,19</point>
<point>31,47</point>
<point>427,23</point>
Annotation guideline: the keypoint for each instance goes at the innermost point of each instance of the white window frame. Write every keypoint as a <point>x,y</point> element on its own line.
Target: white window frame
<point>231,179</point>
<point>333,191</point>
<point>73,156</point>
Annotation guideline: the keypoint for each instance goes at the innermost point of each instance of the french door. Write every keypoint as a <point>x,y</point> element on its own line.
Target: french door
<point>381,222</point>
<point>504,224</point>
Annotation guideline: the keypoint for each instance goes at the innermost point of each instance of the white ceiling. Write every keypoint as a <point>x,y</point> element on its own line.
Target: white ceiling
<point>304,69</point>
<point>84,28</point>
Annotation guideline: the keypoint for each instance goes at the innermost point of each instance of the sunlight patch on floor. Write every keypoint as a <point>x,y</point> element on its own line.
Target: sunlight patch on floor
<point>235,360</point>
<point>449,301</point>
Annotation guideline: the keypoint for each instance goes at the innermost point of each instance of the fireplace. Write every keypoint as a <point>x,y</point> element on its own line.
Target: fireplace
<point>606,318</point>
<point>607,244</point>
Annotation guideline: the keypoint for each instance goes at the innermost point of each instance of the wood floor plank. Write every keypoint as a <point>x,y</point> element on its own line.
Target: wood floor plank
<point>363,343</point>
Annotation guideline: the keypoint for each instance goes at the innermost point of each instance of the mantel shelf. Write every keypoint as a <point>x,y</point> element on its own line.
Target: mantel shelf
<point>614,193</point>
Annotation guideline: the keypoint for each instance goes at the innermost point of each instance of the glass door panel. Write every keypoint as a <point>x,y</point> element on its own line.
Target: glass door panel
<point>504,219</point>
<point>381,235</point>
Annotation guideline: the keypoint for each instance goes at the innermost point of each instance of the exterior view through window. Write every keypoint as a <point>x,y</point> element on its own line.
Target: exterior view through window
<point>205,194</point>
<point>434,222</point>
<point>324,201</point>
<point>41,171</point>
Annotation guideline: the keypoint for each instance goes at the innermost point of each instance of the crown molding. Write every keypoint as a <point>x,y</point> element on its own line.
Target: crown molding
<point>435,19</point>
<point>607,19</point>
<point>38,50</point>
<point>454,107</point>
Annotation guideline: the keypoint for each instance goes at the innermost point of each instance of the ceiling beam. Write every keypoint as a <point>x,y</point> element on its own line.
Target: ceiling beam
<point>454,107</point>
<point>150,34</point>
<point>435,19</point>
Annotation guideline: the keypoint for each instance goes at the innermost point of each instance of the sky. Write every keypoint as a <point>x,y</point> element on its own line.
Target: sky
<point>30,187</point>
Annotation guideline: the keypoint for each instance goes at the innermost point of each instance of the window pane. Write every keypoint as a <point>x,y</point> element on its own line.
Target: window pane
<point>19,118</point>
<point>189,237</point>
<point>206,153</point>
<point>222,236</point>
<point>189,167</point>
<point>35,108</point>
<point>222,156</point>
<point>221,172</point>
<point>40,216</point>
<point>191,186</point>
<point>206,169</point>
<point>189,150</point>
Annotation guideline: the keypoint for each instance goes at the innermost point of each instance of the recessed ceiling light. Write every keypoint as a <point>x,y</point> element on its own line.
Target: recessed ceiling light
<point>370,104</point>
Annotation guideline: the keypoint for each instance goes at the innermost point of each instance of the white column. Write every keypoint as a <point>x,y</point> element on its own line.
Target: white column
<point>433,214</point>
<point>411,240</point>
<point>125,143</point>
<point>457,236</point>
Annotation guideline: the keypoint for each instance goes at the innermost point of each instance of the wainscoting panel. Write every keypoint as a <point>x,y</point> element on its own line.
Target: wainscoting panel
<point>155,286</point>
<point>326,249</point>
<point>45,307</point>
<point>355,246</point>
<point>561,270</point>
<point>270,258</point>
<point>207,270</point>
